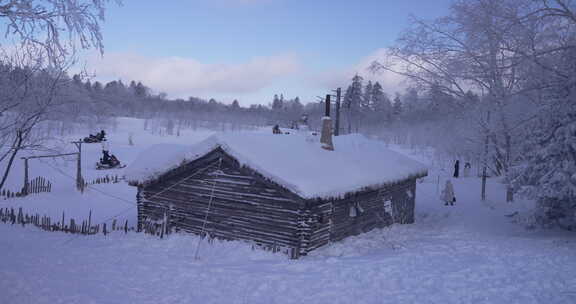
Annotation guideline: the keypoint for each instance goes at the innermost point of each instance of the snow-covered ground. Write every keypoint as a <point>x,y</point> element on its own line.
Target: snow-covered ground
<point>107,201</point>
<point>468,253</point>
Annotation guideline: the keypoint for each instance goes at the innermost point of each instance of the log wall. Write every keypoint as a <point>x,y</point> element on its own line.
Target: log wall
<point>215,195</point>
<point>362,212</point>
<point>242,206</point>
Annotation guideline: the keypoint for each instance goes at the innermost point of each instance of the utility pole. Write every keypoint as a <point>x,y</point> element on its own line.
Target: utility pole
<point>326,135</point>
<point>327,104</point>
<point>485,156</point>
<point>337,126</point>
<point>79,179</point>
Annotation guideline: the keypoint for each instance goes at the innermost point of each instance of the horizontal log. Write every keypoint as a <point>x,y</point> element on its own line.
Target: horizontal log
<point>241,221</point>
<point>229,193</point>
<point>158,213</point>
<point>225,213</point>
<point>224,205</point>
<point>248,192</point>
<point>262,230</point>
<point>240,233</point>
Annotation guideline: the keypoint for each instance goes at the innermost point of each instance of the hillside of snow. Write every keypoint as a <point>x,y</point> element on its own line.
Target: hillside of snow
<point>473,252</point>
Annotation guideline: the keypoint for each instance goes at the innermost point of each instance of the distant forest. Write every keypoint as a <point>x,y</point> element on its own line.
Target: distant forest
<point>409,117</point>
<point>415,116</point>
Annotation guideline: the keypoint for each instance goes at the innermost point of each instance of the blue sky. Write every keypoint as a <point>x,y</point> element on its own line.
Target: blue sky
<point>251,49</point>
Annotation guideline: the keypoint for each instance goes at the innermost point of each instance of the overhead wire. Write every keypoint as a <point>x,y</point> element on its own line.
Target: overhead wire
<point>135,205</point>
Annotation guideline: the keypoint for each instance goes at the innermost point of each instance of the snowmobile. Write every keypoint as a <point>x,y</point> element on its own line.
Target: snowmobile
<point>99,137</point>
<point>108,162</point>
<point>92,139</point>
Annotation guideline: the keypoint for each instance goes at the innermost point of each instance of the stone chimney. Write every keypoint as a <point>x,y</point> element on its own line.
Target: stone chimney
<point>326,135</point>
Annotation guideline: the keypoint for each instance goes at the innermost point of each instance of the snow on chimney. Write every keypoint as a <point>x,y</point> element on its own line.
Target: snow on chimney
<point>326,135</point>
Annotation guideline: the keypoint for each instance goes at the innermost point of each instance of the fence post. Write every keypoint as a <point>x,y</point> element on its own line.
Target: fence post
<point>89,221</point>
<point>26,182</point>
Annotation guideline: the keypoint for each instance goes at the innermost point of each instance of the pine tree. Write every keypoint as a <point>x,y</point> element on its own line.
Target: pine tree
<point>354,94</point>
<point>297,106</point>
<point>77,80</point>
<point>277,103</point>
<point>397,106</point>
<point>235,105</point>
<point>381,103</point>
<point>367,102</point>
<point>88,86</point>
<point>353,101</point>
<point>439,103</point>
<point>141,90</point>
<point>411,104</point>
<point>470,99</point>
<point>97,86</point>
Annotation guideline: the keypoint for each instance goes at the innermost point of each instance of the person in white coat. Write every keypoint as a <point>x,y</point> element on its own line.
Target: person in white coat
<point>448,194</point>
<point>467,168</point>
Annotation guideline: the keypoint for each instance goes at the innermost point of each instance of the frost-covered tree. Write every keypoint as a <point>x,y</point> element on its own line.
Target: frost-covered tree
<point>59,27</point>
<point>548,168</point>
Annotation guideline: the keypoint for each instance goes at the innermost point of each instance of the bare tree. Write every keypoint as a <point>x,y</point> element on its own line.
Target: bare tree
<point>59,26</point>
<point>46,36</point>
<point>35,92</point>
<point>476,47</point>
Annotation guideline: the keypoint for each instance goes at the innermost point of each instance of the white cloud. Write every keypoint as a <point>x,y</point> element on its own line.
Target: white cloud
<point>390,82</point>
<point>181,77</point>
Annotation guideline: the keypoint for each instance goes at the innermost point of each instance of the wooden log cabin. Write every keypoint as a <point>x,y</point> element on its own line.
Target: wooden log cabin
<point>278,191</point>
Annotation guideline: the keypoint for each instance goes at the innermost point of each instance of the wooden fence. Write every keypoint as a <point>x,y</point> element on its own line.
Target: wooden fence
<point>108,179</point>
<point>10,216</point>
<point>37,185</point>
<point>6,194</point>
<point>85,227</point>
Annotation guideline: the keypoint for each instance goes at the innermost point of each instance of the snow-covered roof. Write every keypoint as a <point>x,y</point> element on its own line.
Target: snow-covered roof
<point>294,161</point>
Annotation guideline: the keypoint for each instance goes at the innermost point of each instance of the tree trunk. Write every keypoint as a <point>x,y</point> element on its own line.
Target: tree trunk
<point>15,148</point>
